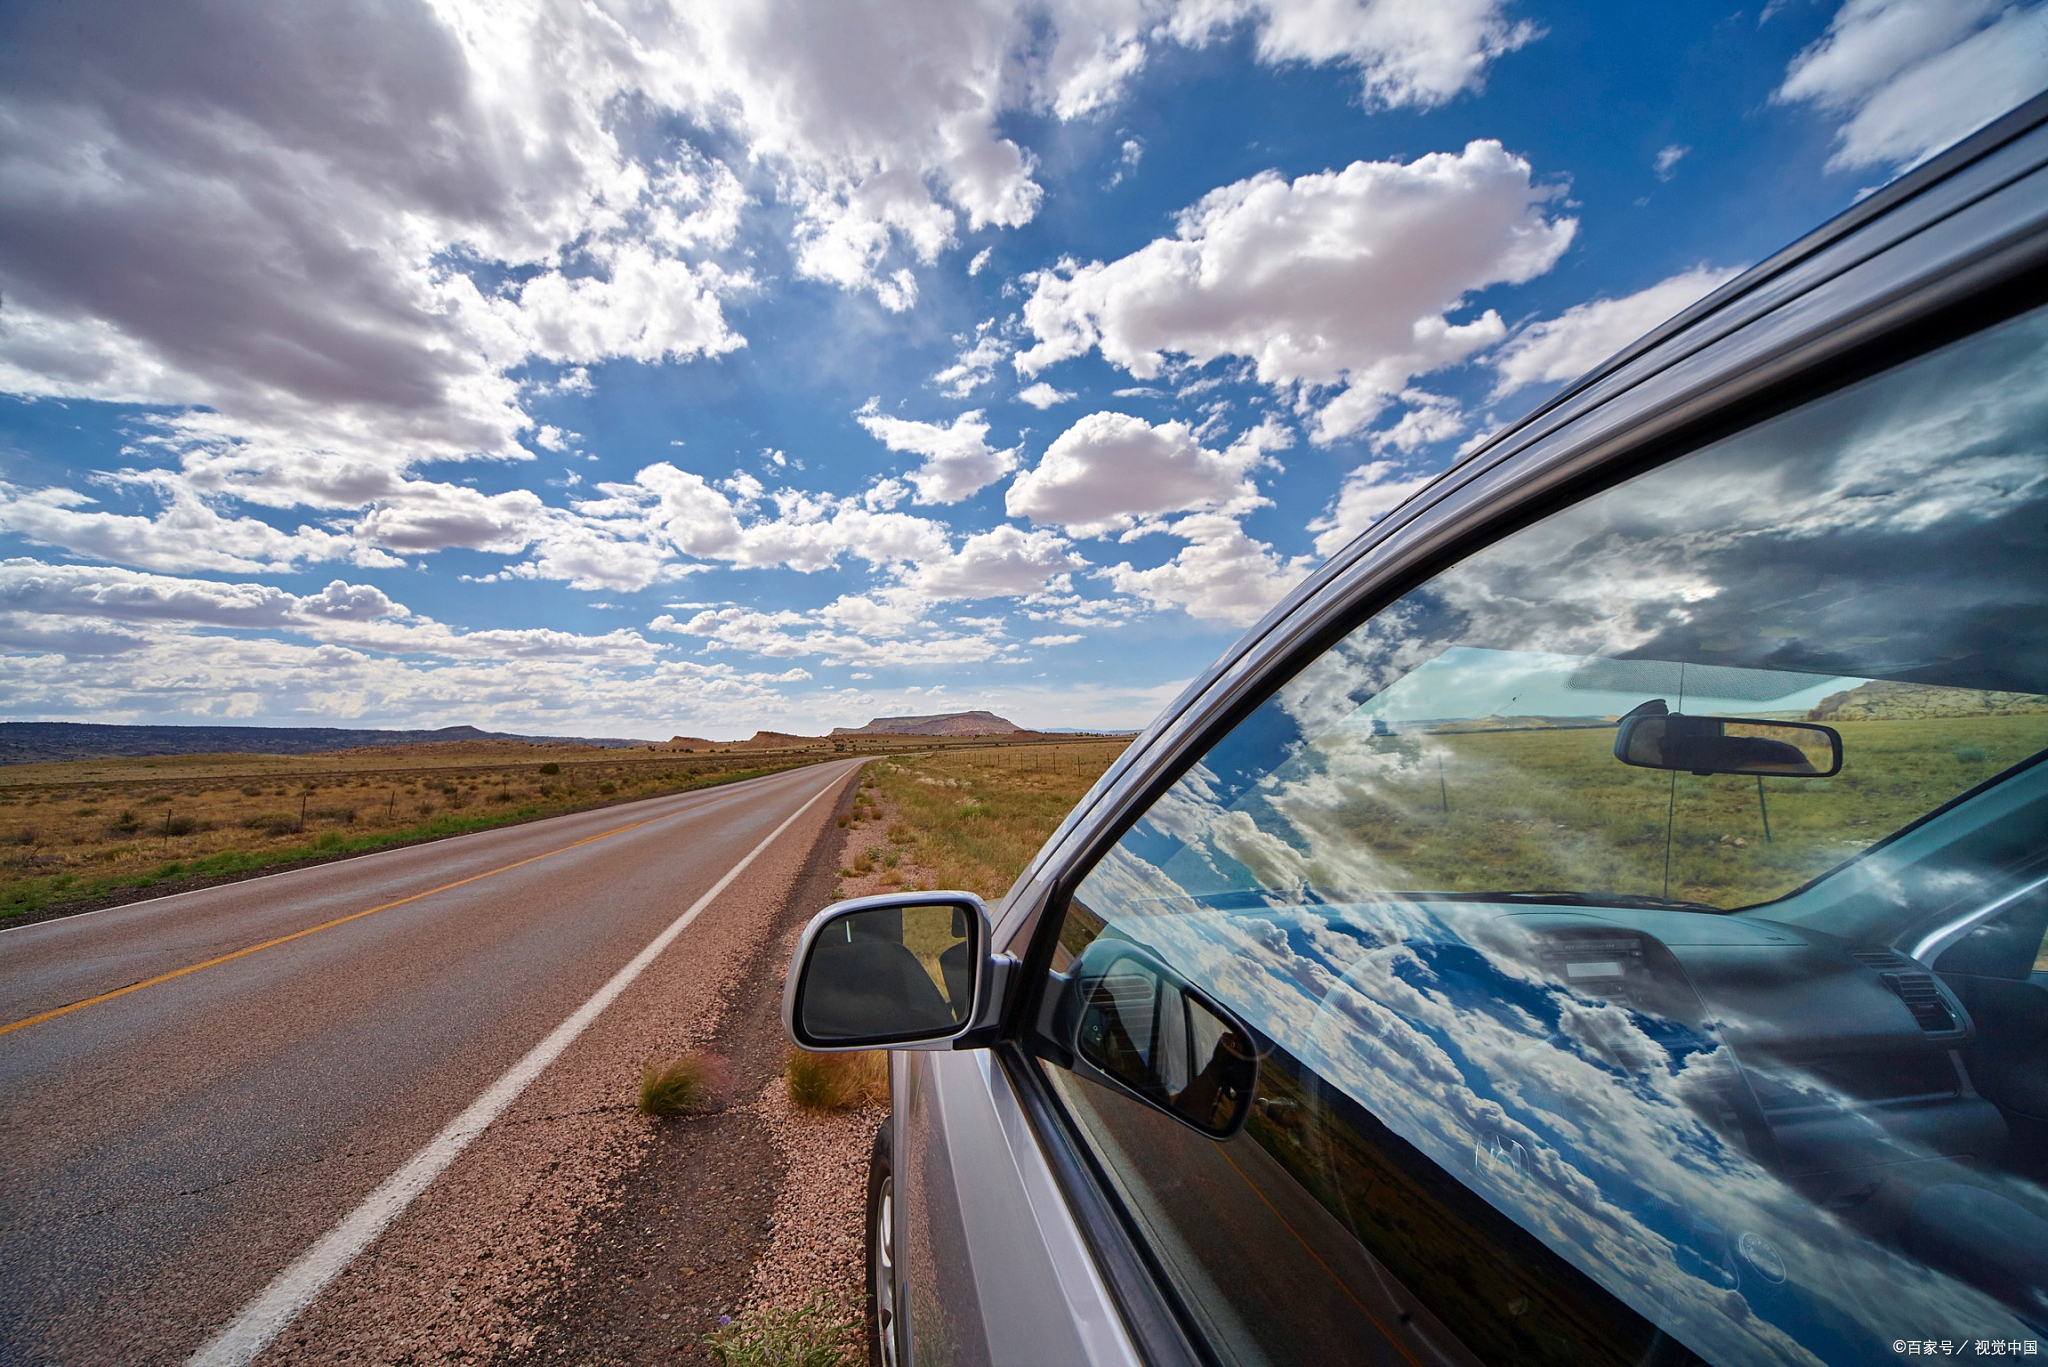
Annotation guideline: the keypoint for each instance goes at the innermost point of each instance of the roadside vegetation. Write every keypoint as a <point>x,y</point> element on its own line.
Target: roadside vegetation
<point>84,830</point>
<point>808,1335</point>
<point>972,819</point>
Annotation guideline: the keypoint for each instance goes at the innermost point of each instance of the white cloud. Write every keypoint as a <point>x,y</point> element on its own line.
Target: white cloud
<point>1909,77</point>
<point>980,261</point>
<point>356,616</point>
<point>1666,162</point>
<point>1220,575</point>
<point>1406,52</point>
<point>1341,281</point>
<point>976,366</point>
<point>958,459</point>
<point>1042,395</point>
<point>1066,640</point>
<point>1567,346</point>
<point>1000,562</point>
<point>187,534</point>
<point>1109,470</point>
<point>1370,492</point>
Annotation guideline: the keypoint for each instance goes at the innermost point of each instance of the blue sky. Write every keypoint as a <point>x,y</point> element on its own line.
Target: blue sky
<point>636,370</point>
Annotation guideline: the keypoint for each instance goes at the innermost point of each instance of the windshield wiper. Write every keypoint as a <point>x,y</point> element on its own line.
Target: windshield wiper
<point>1560,897</point>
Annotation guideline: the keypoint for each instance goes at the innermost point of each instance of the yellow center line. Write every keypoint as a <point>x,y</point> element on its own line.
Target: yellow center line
<point>315,930</point>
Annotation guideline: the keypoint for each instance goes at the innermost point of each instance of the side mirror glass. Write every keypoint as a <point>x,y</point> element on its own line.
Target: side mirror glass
<point>1656,739</point>
<point>1142,1027</point>
<point>882,971</point>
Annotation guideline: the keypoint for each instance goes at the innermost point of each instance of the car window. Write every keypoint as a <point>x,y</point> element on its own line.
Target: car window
<point>1590,1018</point>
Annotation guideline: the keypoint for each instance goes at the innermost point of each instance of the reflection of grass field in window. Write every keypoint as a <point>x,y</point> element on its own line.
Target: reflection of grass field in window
<point>86,828</point>
<point>974,817</point>
<point>1553,809</point>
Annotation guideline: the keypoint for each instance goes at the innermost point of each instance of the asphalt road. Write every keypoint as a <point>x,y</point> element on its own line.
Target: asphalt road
<point>166,1151</point>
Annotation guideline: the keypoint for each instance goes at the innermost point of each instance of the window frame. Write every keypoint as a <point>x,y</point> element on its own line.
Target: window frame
<point>1554,458</point>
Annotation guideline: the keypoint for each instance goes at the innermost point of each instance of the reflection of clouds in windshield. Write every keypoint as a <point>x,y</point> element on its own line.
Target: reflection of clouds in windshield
<point>1889,530</point>
<point>1458,1042</point>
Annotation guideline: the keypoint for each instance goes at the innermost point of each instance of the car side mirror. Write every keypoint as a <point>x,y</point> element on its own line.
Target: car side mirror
<point>895,971</point>
<point>1652,738</point>
<point>1135,1024</point>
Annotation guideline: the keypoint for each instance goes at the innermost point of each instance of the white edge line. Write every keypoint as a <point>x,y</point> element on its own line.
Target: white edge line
<point>263,1318</point>
<point>72,916</point>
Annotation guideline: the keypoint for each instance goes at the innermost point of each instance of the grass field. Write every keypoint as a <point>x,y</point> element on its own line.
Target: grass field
<point>84,829</point>
<point>974,818</point>
<point>1553,808</point>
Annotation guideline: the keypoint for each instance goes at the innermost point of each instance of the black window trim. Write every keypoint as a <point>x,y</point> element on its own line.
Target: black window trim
<point>1504,487</point>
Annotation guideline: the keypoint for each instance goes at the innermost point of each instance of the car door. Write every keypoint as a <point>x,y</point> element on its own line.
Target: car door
<point>1543,1076</point>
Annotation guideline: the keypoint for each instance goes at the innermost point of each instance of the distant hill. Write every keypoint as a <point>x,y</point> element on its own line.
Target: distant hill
<point>1879,700</point>
<point>975,723</point>
<point>38,742</point>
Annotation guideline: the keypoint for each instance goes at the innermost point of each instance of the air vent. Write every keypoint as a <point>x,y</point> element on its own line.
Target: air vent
<point>1914,986</point>
<point>1923,999</point>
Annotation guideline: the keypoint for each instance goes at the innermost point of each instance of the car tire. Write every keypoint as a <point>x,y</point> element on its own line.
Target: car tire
<point>882,1298</point>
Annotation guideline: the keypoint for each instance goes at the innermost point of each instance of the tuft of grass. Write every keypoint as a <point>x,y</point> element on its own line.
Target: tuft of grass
<point>831,1082</point>
<point>695,1082</point>
<point>814,1334</point>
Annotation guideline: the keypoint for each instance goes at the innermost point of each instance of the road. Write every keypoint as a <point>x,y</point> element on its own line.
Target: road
<point>169,1150</point>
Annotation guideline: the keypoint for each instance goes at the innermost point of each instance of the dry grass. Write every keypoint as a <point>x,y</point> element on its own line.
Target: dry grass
<point>974,818</point>
<point>81,829</point>
<point>813,1334</point>
<point>698,1081</point>
<point>832,1082</point>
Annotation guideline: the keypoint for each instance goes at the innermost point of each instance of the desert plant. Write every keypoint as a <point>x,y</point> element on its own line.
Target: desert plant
<point>830,1082</point>
<point>607,787</point>
<point>551,768</point>
<point>695,1082</point>
<point>813,1334</point>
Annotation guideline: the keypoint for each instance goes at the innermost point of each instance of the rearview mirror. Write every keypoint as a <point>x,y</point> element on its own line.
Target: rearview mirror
<point>1136,1024</point>
<point>887,972</point>
<point>1652,738</point>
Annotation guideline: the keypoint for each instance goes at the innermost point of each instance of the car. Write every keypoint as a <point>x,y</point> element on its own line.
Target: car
<point>1597,918</point>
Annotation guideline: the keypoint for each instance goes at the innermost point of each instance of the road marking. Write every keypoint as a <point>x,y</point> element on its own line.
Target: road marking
<point>27,1021</point>
<point>263,1318</point>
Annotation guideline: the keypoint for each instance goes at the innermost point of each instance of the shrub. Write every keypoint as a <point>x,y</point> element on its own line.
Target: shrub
<point>695,1082</point>
<point>607,787</point>
<point>344,815</point>
<point>899,834</point>
<point>551,768</point>
<point>123,825</point>
<point>272,823</point>
<point>829,1082</point>
<point>25,836</point>
<point>809,1335</point>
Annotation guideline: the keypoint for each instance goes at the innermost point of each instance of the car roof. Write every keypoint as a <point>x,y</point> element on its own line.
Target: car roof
<point>1945,232</point>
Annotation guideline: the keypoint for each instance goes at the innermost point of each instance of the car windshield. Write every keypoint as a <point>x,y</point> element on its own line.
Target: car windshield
<point>1670,873</point>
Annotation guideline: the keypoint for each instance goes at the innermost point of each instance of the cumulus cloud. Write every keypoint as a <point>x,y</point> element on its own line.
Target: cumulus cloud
<point>1109,470</point>
<point>1369,493</point>
<point>356,616</point>
<point>1000,562</point>
<point>1337,286</point>
<point>958,460</point>
<point>976,366</point>
<point>1406,52</point>
<point>1221,575</point>
<point>1043,396</point>
<point>1908,77</point>
<point>1567,346</point>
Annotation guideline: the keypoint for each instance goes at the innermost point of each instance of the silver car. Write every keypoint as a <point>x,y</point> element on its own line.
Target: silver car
<point>1598,918</point>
